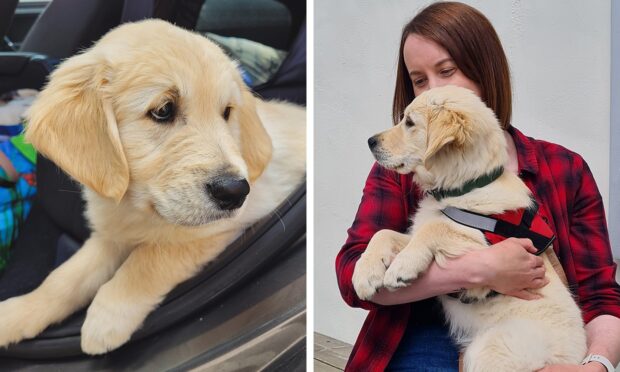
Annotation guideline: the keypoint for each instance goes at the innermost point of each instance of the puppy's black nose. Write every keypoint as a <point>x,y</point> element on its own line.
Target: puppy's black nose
<point>372,142</point>
<point>228,193</point>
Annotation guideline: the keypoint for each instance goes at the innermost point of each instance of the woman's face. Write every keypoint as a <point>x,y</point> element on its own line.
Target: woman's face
<point>429,66</point>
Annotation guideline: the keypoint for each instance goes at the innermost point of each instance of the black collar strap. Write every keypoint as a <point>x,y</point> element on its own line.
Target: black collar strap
<point>461,296</point>
<point>468,186</point>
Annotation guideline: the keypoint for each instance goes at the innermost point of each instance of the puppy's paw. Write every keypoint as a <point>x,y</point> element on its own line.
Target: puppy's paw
<point>404,269</point>
<point>368,276</point>
<point>19,320</point>
<point>109,325</point>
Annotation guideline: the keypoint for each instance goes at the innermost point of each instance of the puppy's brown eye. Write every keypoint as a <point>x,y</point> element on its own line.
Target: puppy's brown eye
<point>226,113</point>
<point>409,123</point>
<point>164,113</point>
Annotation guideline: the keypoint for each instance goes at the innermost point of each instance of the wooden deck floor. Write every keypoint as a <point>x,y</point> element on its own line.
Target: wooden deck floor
<point>330,355</point>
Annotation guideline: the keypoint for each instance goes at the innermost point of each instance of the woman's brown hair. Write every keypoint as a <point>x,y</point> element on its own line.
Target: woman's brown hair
<point>472,42</point>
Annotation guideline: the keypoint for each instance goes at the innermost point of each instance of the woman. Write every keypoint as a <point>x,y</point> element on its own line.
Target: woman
<point>452,43</point>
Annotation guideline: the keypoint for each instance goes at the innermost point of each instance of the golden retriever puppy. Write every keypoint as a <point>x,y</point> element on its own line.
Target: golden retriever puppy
<point>176,157</point>
<point>448,137</point>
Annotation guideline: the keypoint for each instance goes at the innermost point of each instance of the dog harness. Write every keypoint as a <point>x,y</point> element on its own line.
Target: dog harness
<point>521,223</point>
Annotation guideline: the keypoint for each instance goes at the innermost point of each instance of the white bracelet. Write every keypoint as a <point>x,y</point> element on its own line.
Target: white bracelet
<point>601,359</point>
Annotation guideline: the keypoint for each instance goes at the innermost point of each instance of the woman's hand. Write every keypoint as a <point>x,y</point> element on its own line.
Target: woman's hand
<point>508,267</point>
<point>511,268</point>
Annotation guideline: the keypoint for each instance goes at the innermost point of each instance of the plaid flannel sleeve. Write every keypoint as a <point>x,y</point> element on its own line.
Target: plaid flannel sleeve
<point>598,291</point>
<point>383,206</point>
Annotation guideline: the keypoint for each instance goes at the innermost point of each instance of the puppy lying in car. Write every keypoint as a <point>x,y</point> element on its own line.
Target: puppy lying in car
<point>176,157</point>
<point>454,145</point>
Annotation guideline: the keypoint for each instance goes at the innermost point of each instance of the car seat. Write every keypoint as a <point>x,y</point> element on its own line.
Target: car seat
<point>7,9</point>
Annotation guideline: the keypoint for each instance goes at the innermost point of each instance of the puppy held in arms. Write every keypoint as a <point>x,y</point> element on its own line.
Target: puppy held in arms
<point>176,157</point>
<point>454,145</point>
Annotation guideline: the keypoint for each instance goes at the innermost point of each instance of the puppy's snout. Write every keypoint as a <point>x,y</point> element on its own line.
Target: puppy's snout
<point>228,193</point>
<point>372,142</point>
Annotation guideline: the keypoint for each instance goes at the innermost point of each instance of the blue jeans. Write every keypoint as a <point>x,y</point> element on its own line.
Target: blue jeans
<point>425,348</point>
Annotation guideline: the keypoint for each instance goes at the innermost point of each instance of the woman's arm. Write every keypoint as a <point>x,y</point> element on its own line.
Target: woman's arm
<point>604,337</point>
<point>597,290</point>
<point>507,267</point>
<point>603,334</point>
<point>383,206</point>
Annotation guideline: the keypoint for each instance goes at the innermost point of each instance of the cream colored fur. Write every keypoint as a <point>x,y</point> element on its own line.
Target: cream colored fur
<point>455,138</point>
<point>153,224</point>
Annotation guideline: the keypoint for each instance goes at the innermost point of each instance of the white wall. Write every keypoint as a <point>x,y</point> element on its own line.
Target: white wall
<point>559,53</point>
<point>614,166</point>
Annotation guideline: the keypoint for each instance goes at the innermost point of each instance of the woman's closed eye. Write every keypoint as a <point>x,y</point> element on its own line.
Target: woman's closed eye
<point>419,82</point>
<point>447,72</point>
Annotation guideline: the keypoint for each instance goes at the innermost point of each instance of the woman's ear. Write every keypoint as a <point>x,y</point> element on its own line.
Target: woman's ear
<point>445,127</point>
<point>256,146</point>
<point>74,125</point>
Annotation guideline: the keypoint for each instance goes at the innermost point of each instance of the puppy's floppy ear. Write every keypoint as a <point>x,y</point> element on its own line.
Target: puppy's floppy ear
<point>256,146</point>
<point>73,124</point>
<point>444,127</point>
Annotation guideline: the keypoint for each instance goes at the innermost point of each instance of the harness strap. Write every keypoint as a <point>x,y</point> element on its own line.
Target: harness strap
<point>523,229</point>
<point>528,215</point>
<point>502,228</point>
<point>460,295</point>
<point>557,266</point>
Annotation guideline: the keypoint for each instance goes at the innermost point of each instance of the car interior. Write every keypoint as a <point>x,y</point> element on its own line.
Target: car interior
<point>244,310</point>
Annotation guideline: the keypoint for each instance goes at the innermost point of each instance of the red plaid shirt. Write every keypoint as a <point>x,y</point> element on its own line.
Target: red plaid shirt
<point>566,191</point>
